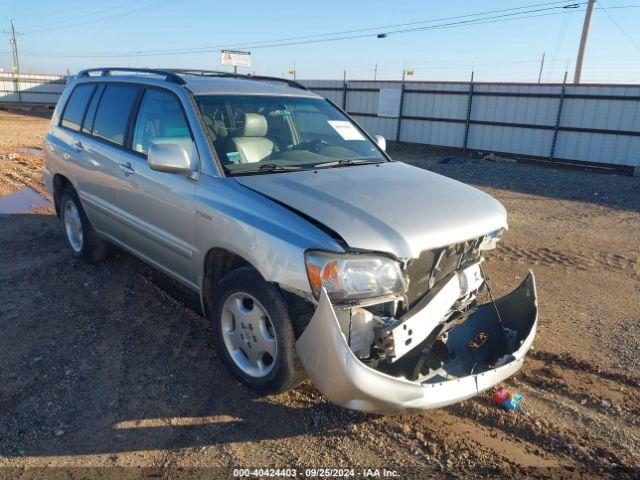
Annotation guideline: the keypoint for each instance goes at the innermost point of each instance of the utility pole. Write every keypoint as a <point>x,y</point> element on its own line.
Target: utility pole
<point>293,72</point>
<point>399,124</point>
<point>375,72</point>
<point>16,61</point>
<point>583,40</point>
<point>541,67</point>
<point>14,47</point>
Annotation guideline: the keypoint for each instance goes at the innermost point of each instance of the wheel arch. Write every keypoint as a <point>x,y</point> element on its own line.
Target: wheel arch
<point>218,262</point>
<point>60,183</point>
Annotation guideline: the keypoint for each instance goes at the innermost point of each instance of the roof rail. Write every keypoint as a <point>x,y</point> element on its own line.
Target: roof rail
<point>168,75</point>
<point>218,73</point>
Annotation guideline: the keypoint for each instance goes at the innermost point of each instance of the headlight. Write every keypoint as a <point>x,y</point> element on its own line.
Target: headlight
<point>490,240</point>
<point>353,276</point>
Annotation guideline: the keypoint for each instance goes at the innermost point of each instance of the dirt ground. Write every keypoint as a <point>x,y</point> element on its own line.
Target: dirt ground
<point>109,365</point>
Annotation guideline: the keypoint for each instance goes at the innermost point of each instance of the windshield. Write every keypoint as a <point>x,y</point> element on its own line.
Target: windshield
<point>264,134</point>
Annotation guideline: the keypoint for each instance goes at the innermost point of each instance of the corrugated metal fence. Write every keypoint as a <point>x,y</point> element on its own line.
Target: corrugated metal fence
<point>591,124</point>
<point>30,89</point>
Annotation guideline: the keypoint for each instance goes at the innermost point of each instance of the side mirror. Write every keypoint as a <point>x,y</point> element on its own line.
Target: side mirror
<point>169,158</point>
<point>382,142</point>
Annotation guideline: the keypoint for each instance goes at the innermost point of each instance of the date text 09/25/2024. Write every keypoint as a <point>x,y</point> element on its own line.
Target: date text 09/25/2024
<point>315,473</point>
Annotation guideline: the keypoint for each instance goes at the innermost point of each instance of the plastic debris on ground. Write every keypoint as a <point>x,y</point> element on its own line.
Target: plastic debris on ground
<point>506,399</point>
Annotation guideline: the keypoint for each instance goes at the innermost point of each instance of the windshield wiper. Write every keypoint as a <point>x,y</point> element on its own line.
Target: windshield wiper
<point>345,163</point>
<point>275,166</point>
<point>265,168</point>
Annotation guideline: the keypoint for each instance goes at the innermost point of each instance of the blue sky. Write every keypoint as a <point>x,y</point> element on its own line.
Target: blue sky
<point>77,34</point>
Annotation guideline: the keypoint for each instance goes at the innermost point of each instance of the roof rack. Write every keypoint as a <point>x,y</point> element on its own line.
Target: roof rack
<point>218,73</point>
<point>173,74</point>
<point>168,75</point>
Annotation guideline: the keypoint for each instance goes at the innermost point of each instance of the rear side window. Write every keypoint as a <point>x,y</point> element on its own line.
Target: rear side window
<point>74,110</point>
<point>113,113</point>
<point>160,120</point>
<point>87,125</point>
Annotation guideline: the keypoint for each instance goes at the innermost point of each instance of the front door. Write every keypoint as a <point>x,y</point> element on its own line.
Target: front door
<point>162,203</point>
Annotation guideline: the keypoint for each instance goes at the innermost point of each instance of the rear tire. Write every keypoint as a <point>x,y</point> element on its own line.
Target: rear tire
<point>253,331</point>
<point>82,239</point>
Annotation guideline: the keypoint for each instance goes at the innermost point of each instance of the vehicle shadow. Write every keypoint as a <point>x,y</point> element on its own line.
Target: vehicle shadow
<point>615,191</point>
<point>114,357</point>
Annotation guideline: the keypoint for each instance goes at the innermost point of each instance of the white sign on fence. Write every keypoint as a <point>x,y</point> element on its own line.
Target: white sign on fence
<point>234,58</point>
<point>389,102</point>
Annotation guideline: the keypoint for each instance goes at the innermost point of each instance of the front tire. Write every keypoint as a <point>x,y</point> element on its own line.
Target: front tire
<point>82,239</point>
<point>253,332</point>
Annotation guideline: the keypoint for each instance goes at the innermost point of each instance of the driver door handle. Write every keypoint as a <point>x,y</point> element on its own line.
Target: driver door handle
<point>126,168</point>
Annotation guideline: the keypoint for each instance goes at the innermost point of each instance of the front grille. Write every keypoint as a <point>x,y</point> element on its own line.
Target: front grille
<point>432,266</point>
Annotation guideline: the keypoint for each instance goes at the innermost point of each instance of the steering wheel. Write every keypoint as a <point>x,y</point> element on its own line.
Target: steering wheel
<point>233,124</point>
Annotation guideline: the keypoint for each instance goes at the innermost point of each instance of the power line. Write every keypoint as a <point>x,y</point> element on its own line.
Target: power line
<point>119,14</point>
<point>619,27</point>
<point>67,13</point>
<point>369,29</point>
<point>314,38</point>
<point>481,20</point>
<point>558,45</point>
<point>265,43</point>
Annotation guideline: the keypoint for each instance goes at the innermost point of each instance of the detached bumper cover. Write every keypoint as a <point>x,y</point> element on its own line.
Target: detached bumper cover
<point>346,381</point>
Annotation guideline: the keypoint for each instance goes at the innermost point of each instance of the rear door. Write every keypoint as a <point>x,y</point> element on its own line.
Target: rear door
<point>103,135</point>
<point>162,203</point>
<point>65,146</point>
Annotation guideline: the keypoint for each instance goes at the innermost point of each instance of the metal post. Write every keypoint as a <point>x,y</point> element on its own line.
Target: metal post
<point>468,119</point>
<point>375,72</point>
<point>404,72</point>
<point>344,90</point>
<point>541,67</point>
<point>558,116</point>
<point>583,41</point>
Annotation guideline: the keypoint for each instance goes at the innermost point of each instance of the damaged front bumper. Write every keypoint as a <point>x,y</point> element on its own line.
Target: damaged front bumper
<point>346,381</point>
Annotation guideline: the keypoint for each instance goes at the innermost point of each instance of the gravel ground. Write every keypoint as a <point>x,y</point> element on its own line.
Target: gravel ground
<point>108,370</point>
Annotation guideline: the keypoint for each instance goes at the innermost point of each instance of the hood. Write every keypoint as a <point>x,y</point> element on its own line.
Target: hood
<point>390,207</point>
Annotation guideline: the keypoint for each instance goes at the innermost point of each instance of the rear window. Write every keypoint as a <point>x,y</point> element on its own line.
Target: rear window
<point>74,110</point>
<point>113,113</point>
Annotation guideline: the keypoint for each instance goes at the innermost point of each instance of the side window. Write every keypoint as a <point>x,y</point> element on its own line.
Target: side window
<point>76,105</point>
<point>87,125</point>
<point>160,120</point>
<point>113,112</point>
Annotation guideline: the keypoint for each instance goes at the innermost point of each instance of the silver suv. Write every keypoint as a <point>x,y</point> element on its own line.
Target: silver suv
<point>313,253</point>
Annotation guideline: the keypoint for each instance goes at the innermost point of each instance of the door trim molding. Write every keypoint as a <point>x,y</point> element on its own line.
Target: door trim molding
<point>143,228</point>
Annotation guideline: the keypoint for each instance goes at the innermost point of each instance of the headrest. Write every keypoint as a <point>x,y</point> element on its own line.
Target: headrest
<point>216,127</point>
<point>255,125</point>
